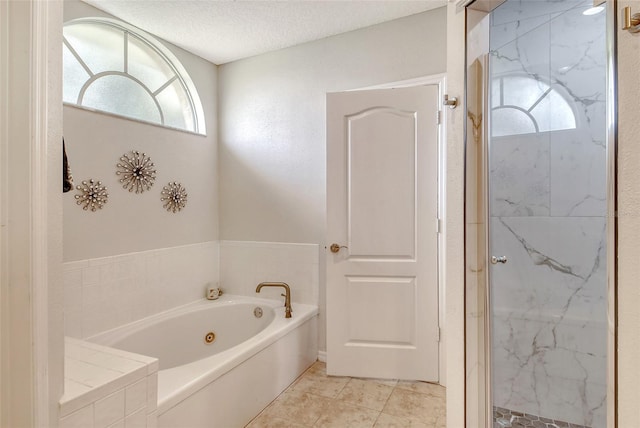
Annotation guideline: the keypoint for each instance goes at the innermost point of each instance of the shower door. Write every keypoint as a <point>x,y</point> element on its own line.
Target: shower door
<point>546,215</point>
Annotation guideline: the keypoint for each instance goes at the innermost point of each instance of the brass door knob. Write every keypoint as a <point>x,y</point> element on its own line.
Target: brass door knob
<point>336,247</point>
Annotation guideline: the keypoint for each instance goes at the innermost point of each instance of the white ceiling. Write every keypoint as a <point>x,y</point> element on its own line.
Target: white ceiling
<point>222,31</point>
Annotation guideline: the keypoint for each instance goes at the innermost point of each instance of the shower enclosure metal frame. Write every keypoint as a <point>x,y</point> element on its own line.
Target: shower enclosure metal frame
<point>481,390</point>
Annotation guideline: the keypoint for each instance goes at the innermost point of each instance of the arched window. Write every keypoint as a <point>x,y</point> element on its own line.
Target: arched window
<point>112,67</point>
<point>523,105</point>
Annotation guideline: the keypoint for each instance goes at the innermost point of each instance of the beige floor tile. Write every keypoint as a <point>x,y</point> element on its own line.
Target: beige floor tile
<point>422,387</point>
<point>318,367</point>
<point>366,393</point>
<point>425,408</point>
<point>298,407</point>
<point>315,382</point>
<point>390,382</point>
<point>388,421</point>
<point>343,415</point>
<point>266,421</point>
<point>318,400</point>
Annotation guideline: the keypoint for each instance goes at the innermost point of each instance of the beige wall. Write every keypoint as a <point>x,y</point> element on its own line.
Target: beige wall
<point>272,124</point>
<point>132,222</point>
<point>628,224</point>
<point>272,121</point>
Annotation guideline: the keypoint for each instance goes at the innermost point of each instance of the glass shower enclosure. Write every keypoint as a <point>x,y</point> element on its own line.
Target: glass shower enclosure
<point>537,204</point>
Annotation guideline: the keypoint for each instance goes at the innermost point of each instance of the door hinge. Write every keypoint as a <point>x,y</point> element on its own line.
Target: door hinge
<point>439,334</point>
<point>439,116</point>
<point>439,225</point>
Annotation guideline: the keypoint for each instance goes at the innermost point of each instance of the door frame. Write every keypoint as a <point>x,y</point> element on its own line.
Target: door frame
<point>31,330</point>
<point>440,80</point>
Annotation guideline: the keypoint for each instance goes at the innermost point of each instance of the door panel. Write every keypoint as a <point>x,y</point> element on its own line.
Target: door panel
<point>372,301</point>
<point>382,288</point>
<point>382,188</point>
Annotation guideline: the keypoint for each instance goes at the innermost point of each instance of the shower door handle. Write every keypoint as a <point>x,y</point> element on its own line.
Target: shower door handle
<point>501,259</point>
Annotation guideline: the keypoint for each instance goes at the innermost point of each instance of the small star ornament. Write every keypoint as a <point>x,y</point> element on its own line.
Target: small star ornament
<point>137,171</point>
<point>174,197</point>
<point>92,195</point>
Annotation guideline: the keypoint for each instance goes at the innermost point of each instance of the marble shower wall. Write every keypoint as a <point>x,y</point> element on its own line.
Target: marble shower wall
<point>548,212</point>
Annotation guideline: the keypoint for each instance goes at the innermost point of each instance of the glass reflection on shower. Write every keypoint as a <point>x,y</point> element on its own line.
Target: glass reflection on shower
<point>547,214</point>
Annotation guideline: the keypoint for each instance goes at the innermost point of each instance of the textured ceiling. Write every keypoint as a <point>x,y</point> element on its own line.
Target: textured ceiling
<point>223,31</point>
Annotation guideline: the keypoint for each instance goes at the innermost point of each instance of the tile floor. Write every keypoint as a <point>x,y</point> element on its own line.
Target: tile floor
<point>318,400</point>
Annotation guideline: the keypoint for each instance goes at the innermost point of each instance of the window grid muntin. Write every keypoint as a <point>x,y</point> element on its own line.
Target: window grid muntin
<point>173,69</point>
<point>176,74</point>
<point>95,77</point>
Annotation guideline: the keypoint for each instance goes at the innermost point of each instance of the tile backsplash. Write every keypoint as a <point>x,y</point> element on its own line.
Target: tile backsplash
<point>244,264</point>
<point>107,292</point>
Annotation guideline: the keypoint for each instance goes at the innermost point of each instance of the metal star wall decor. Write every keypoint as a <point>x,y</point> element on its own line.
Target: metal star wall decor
<point>174,197</point>
<point>137,171</point>
<point>93,195</point>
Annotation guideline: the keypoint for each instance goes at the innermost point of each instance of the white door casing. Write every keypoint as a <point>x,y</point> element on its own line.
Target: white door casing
<point>382,194</point>
<point>32,329</point>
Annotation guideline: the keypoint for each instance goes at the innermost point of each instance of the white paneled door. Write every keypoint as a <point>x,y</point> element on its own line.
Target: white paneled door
<point>382,192</point>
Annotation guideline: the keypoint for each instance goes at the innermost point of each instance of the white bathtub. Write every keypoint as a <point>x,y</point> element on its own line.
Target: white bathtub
<point>226,383</point>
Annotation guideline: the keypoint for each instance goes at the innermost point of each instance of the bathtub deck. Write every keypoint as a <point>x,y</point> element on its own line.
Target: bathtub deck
<point>107,387</point>
<point>318,400</point>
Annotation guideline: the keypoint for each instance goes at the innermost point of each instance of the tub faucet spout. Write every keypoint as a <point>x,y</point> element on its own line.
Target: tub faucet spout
<point>287,295</point>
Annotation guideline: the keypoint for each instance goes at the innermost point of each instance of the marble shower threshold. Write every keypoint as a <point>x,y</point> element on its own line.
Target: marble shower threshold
<point>506,418</point>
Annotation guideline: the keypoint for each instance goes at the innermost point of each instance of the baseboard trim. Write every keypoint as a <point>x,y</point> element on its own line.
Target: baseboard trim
<point>322,356</point>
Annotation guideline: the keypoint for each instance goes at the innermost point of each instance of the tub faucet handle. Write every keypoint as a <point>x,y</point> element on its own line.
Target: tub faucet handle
<point>285,303</point>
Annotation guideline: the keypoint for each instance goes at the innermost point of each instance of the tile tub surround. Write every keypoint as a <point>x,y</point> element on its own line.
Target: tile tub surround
<point>318,400</point>
<point>548,215</point>
<point>104,293</point>
<point>106,387</point>
<point>245,264</point>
